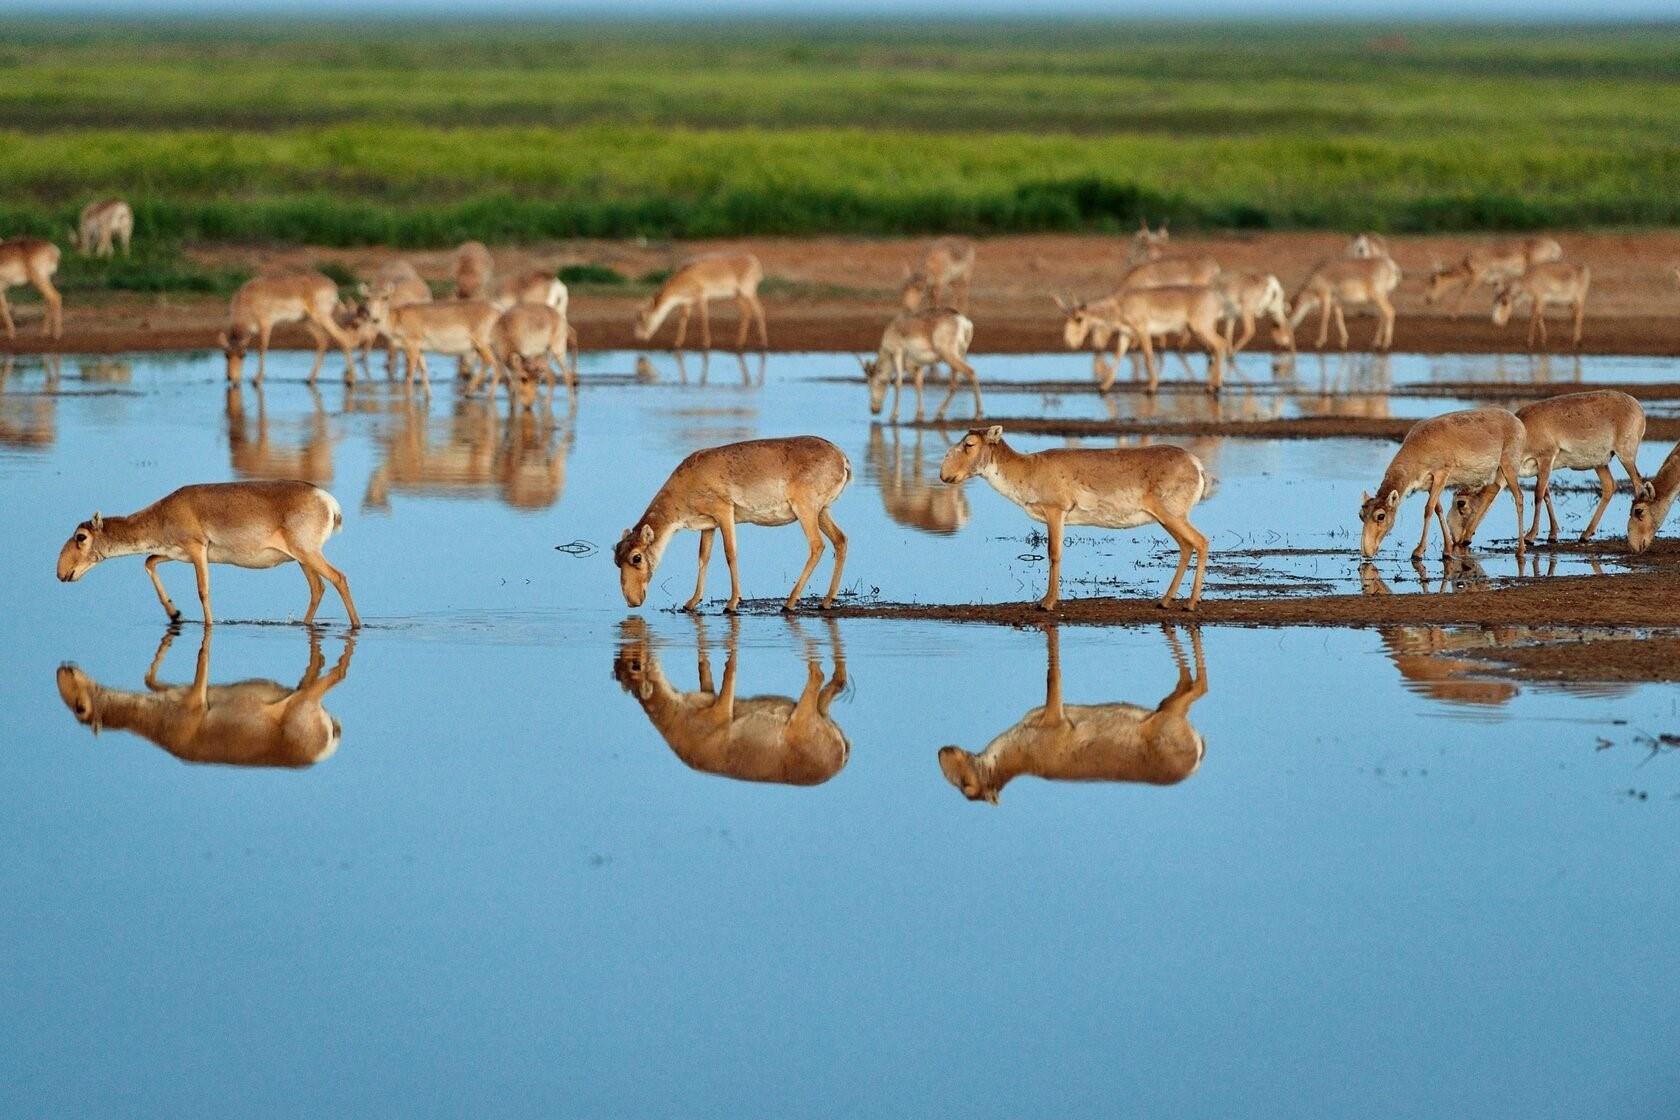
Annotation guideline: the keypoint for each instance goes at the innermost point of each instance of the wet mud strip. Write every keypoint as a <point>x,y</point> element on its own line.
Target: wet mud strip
<point>1306,427</point>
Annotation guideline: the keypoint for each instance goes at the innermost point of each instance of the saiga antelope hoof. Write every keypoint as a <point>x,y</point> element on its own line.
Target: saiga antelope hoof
<point>1047,604</point>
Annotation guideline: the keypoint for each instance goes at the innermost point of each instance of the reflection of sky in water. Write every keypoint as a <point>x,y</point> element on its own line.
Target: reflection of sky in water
<point>505,893</point>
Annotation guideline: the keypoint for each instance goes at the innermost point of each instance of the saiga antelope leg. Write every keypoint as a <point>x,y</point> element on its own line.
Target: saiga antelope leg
<point>706,324</point>
<point>1148,348</point>
<point>6,315</point>
<point>320,338</point>
<point>157,584</point>
<point>317,588</point>
<point>763,328</point>
<point>152,682</point>
<point>1188,539</point>
<point>1385,324</point>
<point>1580,314</point>
<point>1054,519</point>
<point>336,578</point>
<point>1542,498</point>
<point>1341,325</point>
<point>1324,322</point>
<point>1606,490</point>
<point>825,520</point>
<point>813,541</point>
<point>200,557</point>
<point>265,330</point>
<point>744,310</point>
<point>1509,472</point>
<point>700,577</point>
<point>1436,482</point>
<point>682,327</point>
<point>726,527</point>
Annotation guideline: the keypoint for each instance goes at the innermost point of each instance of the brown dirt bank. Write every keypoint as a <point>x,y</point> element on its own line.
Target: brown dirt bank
<point>1309,427</point>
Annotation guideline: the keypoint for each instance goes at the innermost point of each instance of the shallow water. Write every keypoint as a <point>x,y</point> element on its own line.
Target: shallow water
<point>506,866</point>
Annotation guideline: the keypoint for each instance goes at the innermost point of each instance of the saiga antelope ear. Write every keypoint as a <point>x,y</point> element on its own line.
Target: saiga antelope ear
<point>98,522</point>
<point>1364,497</point>
<point>1066,307</point>
<point>994,434</point>
<point>1393,498</point>
<point>1648,490</point>
<point>647,534</point>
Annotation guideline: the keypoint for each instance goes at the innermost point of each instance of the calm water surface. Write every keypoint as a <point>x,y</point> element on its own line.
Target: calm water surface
<point>516,850</point>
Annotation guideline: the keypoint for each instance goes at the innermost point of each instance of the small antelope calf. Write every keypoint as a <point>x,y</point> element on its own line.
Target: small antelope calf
<point>1493,265</point>
<point>1138,315</point>
<point>1249,296</point>
<point>247,524</point>
<point>719,276</point>
<point>472,269</point>
<point>266,301</point>
<point>1352,282</point>
<point>920,339</point>
<point>1540,287</point>
<point>949,264</point>
<point>101,224</point>
<point>1651,502</point>
<point>32,261</point>
<point>1466,449</point>
<point>1114,488</point>
<point>759,482</point>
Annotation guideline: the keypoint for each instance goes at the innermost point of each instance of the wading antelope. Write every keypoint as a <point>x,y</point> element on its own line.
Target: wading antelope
<point>1090,742</point>
<point>1367,246</point>
<point>248,524</point>
<point>1350,282</point>
<point>1540,287</point>
<point>472,270</point>
<point>460,327</point>
<point>1147,244</point>
<point>1114,488</point>
<point>32,261</point>
<point>1249,296</point>
<point>748,738</point>
<point>1652,501</point>
<point>921,339</point>
<point>1493,265</point>
<point>267,301</point>
<point>526,339</point>
<point>1467,449</point>
<point>102,223</point>
<point>911,495</point>
<point>719,276</point>
<point>759,482</point>
<point>1138,315</point>
<point>534,286</point>
<point>1577,432</point>
<point>949,264</point>
<point>251,723</point>
<point>397,282</point>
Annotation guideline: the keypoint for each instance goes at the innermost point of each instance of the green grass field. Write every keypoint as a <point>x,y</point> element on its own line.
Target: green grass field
<point>415,136</point>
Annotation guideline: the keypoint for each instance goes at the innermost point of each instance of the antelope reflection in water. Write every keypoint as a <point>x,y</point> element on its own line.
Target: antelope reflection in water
<point>28,422</point>
<point>254,456</point>
<point>521,460</point>
<point>753,738</point>
<point>247,723</point>
<point>1090,742</point>
<point>913,496</point>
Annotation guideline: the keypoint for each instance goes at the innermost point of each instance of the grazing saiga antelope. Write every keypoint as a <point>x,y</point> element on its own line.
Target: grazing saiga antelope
<point>1147,244</point>
<point>1577,432</point>
<point>1366,246</point>
<point>921,339</point>
<point>749,738</point>
<point>1090,742</point>
<point>264,302</point>
<point>101,224</point>
<point>1114,488</point>
<point>526,339</point>
<point>533,286</point>
<point>472,270</point>
<point>250,723</point>
<point>949,264</point>
<point>1540,287</point>
<point>910,494</point>
<point>1651,503</point>
<point>718,276</point>
<point>1249,296</point>
<point>248,524</point>
<point>1494,265</point>
<point>758,482</point>
<point>32,261</point>
<point>1349,282</point>
<point>1468,449</point>
<point>1138,315</point>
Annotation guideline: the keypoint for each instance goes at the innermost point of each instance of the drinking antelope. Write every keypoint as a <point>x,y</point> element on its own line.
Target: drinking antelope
<point>1248,296</point>
<point>248,524</point>
<point>759,482</point>
<point>1114,488</point>
<point>719,276</point>
<point>533,286</point>
<point>1349,281</point>
<point>1540,287</point>
<point>949,264</point>
<point>1461,449</point>
<point>1651,502</point>
<point>250,723</point>
<point>1138,315</point>
<point>100,224</point>
<point>748,738</point>
<point>1367,246</point>
<point>32,261</point>
<point>1577,432</point>
<point>266,301</point>
<point>1147,244</point>
<point>526,339</point>
<point>1090,742</point>
<point>910,494</point>
<point>921,339</point>
<point>472,269</point>
<point>1493,265</point>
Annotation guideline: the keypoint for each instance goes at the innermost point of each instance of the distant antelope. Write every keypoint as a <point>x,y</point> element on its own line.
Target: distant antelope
<point>1114,488</point>
<point>1651,502</point>
<point>1164,272</point>
<point>102,223</point>
<point>472,269</point>
<point>32,261</point>
<point>912,495</point>
<point>524,339</point>
<point>719,276</point>
<point>1147,244</point>
<point>269,300</point>
<point>1367,246</point>
<point>1540,287</point>
<point>921,339</point>
<point>249,723</point>
<point>749,738</point>
<point>1090,742</point>
<point>949,264</point>
<point>1248,296</point>
<point>759,482</point>
<point>1575,431</point>
<point>533,286</point>
<point>1460,449</point>
<point>397,282</point>
<point>248,524</point>
<point>1493,265</point>
<point>461,327</point>
<point>1138,315</point>
<point>1349,281</point>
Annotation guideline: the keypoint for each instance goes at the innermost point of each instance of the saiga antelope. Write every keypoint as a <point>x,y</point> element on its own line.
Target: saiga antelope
<point>1366,246</point>
<point>1540,287</point>
<point>949,264</point>
<point>920,339</point>
<point>32,261</point>
<point>100,224</point>
<point>460,327</point>
<point>248,524</point>
<point>1349,281</point>
<point>1460,449</point>
<point>759,482</point>
<point>1249,296</point>
<point>1114,488</point>
<point>1493,265</point>
<point>1147,244</point>
<point>533,286</point>
<point>525,338</point>
<point>1163,272</point>
<point>266,301</point>
<point>472,270</point>
<point>397,282</point>
<point>1138,315</point>
<point>719,276</point>
<point>1651,502</point>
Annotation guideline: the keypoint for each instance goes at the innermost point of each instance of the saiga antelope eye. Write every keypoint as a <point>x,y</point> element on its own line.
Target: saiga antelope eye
<point>1380,515</point>
<point>81,538</point>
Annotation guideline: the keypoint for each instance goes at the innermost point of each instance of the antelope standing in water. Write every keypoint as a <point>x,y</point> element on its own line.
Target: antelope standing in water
<point>1138,315</point>
<point>1249,296</point>
<point>1349,282</point>
<point>1576,432</point>
<point>759,482</point>
<point>250,723</point>
<point>1090,742</point>
<point>1147,244</point>
<point>1494,265</point>
<point>920,339</point>
<point>472,269</point>
<point>1651,503</point>
<point>1540,287</point>
<point>749,738</point>
<point>1467,449</point>
<point>247,524</point>
<point>397,282</point>
<point>526,340</point>
<point>912,495</point>
<point>461,327</point>
<point>696,282</point>
<point>32,261</point>
<point>949,264</point>
<point>1113,488</point>
<point>266,301</point>
<point>101,224</point>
